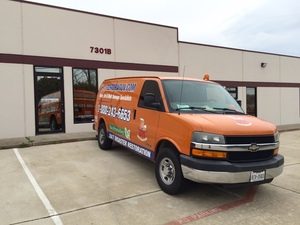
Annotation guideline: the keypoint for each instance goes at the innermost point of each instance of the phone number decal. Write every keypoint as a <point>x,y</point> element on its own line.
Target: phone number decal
<point>120,113</point>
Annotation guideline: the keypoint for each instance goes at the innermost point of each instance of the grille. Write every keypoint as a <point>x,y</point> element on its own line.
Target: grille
<point>249,156</point>
<point>249,139</point>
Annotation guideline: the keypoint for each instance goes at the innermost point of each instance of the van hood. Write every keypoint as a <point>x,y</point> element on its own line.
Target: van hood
<point>228,124</point>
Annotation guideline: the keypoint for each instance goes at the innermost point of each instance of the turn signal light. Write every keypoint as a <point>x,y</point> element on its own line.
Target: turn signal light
<point>209,154</point>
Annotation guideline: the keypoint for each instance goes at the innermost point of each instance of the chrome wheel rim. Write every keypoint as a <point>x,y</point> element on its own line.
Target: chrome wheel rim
<point>102,136</point>
<point>167,171</point>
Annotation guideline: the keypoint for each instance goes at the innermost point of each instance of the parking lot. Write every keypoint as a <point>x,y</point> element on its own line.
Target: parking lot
<point>77,184</point>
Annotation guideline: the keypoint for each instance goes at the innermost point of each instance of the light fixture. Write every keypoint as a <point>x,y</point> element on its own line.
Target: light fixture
<point>263,65</point>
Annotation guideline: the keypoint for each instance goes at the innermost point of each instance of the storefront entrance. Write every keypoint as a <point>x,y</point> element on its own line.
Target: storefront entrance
<point>49,100</point>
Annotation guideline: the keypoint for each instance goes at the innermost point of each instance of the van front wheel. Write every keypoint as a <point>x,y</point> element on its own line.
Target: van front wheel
<point>103,141</point>
<point>168,172</point>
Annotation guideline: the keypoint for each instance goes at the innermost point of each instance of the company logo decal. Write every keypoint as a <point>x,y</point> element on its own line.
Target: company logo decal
<point>142,131</point>
<point>121,87</point>
<point>145,152</point>
<point>241,121</point>
<point>124,132</point>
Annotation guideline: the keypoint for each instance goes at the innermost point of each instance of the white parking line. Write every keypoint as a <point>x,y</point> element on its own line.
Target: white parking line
<point>52,213</point>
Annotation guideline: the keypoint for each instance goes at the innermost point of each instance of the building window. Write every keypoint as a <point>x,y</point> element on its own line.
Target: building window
<point>85,87</point>
<point>251,99</point>
<point>233,91</point>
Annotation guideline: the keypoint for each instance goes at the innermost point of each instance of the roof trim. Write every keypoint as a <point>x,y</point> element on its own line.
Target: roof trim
<point>54,61</point>
<point>257,84</point>
<point>238,49</point>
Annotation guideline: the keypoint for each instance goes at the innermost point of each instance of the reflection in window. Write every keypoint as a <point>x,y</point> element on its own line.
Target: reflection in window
<point>85,87</point>
<point>150,96</point>
<point>233,91</point>
<point>251,101</point>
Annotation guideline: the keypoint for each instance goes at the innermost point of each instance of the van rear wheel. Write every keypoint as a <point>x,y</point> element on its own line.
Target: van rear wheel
<point>103,141</point>
<point>168,172</point>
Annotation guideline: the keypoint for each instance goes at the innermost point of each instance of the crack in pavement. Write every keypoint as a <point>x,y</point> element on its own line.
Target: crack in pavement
<point>287,189</point>
<point>293,164</point>
<point>88,207</point>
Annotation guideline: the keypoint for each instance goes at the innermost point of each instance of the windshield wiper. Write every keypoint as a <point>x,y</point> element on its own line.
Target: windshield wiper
<point>196,108</point>
<point>229,110</point>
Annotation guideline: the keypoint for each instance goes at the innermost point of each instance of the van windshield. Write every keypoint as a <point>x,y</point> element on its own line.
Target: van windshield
<point>189,96</point>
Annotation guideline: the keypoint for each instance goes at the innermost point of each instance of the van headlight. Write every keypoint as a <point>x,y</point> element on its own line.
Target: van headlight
<point>208,138</point>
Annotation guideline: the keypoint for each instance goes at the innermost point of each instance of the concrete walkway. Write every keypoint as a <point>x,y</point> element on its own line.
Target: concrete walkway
<point>45,139</point>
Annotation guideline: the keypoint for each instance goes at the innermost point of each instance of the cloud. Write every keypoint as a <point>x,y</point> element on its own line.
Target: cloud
<point>274,27</point>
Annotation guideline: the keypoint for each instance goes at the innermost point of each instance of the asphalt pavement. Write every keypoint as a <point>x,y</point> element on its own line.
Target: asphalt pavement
<point>76,183</point>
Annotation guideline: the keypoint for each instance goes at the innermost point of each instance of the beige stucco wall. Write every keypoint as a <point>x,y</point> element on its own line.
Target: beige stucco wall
<point>10,27</point>
<point>221,64</point>
<point>289,69</point>
<point>144,43</point>
<point>12,116</point>
<point>59,33</point>
<point>254,72</point>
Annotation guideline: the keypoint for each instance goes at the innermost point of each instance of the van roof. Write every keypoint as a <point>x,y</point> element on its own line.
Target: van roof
<point>160,78</point>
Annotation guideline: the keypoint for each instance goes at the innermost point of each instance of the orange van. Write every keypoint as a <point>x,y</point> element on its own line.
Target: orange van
<point>192,129</point>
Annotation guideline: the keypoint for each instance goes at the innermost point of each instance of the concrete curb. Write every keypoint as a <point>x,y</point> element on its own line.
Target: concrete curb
<point>44,140</point>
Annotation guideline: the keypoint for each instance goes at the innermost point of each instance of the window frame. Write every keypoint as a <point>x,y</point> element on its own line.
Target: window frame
<point>141,105</point>
<point>255,101</point>
<point>73,92</point>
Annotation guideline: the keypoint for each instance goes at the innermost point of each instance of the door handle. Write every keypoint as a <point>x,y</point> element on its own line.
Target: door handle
<point>134,114</point>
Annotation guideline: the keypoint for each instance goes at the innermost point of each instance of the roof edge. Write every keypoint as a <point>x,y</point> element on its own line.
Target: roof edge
<point>93,13</point>
<point>238,49</point>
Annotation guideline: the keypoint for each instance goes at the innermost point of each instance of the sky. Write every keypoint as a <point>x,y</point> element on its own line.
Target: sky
<point>258,25</point>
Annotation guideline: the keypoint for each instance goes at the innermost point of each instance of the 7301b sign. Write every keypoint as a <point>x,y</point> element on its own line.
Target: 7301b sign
<point>99,50</point>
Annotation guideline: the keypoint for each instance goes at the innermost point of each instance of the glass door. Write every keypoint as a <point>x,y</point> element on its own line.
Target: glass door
<point>251,101</point>
<point>49,100</point>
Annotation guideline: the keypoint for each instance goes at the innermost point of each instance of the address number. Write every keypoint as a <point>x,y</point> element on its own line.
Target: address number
<point>106,51</point>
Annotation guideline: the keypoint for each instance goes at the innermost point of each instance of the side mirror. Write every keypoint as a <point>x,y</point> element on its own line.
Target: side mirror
<point>239,102</point>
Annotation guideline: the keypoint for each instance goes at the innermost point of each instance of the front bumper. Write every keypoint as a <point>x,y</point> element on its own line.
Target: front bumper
<point>215,171</point>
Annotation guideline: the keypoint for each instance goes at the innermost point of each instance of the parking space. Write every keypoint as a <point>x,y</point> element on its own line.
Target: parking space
<point>85,185</point>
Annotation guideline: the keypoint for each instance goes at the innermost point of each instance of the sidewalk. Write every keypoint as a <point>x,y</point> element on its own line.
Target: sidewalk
<point>46,139</point>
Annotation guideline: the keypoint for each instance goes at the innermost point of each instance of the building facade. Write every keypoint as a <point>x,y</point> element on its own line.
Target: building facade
<point>53,59</point>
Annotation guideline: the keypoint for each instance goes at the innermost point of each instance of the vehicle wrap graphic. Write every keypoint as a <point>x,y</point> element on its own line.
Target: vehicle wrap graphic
<point>124,132</point>
<point>119,113</point>
<point>136,148</point>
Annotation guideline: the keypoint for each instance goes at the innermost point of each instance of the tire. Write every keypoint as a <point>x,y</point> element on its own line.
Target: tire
<point>103,141</point>
<point>168,172</point>
<point>53,124</point>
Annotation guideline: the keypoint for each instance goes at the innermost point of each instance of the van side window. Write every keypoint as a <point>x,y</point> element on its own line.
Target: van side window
<point>150,97</point>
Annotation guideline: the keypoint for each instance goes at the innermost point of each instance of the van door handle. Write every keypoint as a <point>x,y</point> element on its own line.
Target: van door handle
<point>134,114</point>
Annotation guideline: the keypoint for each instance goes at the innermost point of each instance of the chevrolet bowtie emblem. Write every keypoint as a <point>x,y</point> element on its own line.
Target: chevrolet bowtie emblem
<point>253,148</point>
